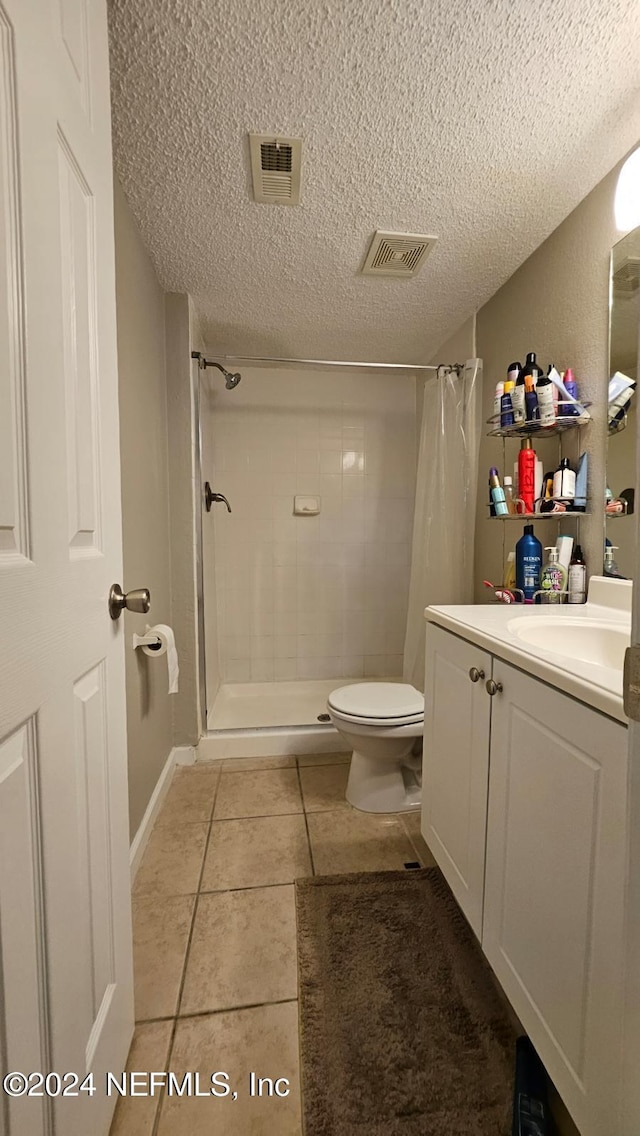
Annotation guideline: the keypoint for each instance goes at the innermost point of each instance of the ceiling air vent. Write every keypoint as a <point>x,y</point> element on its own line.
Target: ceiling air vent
<point>626,278</point>
<point>275,167</point>
<point>397,254</point>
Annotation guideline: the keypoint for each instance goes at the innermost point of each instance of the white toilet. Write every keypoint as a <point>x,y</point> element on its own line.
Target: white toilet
<point>380,722</point>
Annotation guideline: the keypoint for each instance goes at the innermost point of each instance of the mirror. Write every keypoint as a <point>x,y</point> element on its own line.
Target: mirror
<point>623,366</point>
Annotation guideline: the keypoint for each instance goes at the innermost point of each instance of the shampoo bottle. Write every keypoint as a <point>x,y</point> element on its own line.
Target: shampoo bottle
<point>527,476</point>
<point>531,368</point>
<point>577,578</point>
<point>528,563</point>
<point>553,578</point>
<point>544,392</point>
<point>515,375</point>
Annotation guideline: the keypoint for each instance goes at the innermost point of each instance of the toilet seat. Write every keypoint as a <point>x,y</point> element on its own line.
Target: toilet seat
<point>389,704</point>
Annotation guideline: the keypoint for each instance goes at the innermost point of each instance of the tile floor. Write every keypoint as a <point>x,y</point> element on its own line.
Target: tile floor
<point>215,935</point>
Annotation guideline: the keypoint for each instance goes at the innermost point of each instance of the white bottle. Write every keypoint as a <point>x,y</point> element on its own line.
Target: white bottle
<point>564,482</point>
<point>497,403</point>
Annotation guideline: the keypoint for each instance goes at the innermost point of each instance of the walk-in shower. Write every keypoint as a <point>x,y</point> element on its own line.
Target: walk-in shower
<point>298,600</point>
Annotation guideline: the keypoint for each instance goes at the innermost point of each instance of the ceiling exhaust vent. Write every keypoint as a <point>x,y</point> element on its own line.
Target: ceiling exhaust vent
<point>626,278</point>
<point>397,254</point>
<point>275,166</point>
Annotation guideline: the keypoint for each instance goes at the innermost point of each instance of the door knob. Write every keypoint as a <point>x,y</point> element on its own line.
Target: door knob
<point>210,497</point>
<point>475,675</point>
<point>138,600</point>
<point>493,687</point>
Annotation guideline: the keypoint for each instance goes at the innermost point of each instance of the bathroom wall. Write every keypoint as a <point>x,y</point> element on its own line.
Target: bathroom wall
<point>311,597</point>
<point>555,304</point>
<point>145,499</point>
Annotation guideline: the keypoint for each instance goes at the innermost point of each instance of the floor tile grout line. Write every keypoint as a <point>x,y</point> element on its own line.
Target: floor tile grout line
<point>248,887</point>
<point>306,819</point>
<point>257,816</point>
<point>235,1009</point>
<point>222,1010</point>
<point>161,1099</point>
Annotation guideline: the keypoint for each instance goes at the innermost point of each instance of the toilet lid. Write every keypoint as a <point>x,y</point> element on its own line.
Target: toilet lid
<point>379,700</point>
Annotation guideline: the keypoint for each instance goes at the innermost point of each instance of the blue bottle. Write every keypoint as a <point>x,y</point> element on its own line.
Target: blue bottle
<point>528,563</point>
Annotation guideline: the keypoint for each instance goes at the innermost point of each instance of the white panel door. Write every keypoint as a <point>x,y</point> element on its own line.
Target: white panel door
<point>455,764</point>
<point>65,933</point>
<point>554,889</point>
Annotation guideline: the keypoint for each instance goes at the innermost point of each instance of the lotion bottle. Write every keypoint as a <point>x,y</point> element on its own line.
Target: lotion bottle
<point>564,482</point>
<point>553,578</point>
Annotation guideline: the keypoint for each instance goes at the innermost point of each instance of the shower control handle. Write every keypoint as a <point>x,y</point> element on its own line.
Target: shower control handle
<point>210,497</point>
<point>475,675</point>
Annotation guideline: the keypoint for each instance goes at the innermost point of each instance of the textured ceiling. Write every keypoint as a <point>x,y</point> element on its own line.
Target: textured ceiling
<point>484,122</point>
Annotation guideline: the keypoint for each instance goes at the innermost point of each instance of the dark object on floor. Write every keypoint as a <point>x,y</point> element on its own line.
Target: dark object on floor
<point>412,864</point>
<point>324,717</point>
<point>530,1099</point>
<point>402,1031</point>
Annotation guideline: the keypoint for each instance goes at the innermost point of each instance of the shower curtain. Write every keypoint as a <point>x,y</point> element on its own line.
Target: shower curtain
<point>444,522</point>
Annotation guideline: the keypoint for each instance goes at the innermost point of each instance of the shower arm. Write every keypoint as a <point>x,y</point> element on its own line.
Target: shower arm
<point>204,363</point>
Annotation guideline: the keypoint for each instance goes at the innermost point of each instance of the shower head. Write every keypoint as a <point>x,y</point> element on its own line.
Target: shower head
<point>230,380</point>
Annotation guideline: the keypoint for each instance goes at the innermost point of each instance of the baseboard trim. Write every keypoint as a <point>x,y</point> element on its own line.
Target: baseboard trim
<point>180,755</point>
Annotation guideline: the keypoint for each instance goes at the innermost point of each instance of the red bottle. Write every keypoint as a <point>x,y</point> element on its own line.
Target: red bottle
<point>527,476</point>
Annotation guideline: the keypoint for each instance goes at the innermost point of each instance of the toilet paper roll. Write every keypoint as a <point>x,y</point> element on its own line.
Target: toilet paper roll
<point>167,646</point>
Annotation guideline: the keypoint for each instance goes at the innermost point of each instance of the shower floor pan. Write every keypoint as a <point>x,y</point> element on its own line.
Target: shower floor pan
<point>256,719</point>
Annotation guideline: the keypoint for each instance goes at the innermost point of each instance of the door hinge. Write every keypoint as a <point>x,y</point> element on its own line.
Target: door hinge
<point>631,683</point>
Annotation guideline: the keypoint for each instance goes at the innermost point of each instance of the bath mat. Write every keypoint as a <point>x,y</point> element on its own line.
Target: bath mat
<point>402,1031</point>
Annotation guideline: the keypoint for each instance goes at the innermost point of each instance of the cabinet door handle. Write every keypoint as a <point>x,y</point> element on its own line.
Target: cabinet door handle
<point>493,687</point>
<point>475,675</point>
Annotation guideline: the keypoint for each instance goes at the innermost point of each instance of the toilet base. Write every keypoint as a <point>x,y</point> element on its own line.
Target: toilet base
<point>380,785</point>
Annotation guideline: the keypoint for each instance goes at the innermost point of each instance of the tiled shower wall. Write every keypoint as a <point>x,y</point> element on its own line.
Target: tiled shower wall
<point>303,597</point>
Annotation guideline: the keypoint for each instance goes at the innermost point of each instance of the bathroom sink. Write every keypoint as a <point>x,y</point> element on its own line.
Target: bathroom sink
<point>587,640</point>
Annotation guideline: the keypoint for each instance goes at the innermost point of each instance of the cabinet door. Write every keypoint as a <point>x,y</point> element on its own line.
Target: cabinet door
<point>553,914</point>
<point>455,765</point>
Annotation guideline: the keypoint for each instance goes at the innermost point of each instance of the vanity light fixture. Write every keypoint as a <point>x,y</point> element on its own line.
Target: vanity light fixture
<point>627,199</point>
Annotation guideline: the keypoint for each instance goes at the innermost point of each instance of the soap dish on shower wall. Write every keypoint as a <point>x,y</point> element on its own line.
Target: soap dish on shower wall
<point>306,506</point>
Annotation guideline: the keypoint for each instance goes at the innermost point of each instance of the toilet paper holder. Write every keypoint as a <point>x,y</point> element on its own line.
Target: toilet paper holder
<point>152,641</point>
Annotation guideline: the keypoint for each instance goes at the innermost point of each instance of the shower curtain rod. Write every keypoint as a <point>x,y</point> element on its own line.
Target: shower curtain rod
<point>458,367</point>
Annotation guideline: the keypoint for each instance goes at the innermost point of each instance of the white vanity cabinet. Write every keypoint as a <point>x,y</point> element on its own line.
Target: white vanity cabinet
<point>457,714</point>
<point>542,881</point>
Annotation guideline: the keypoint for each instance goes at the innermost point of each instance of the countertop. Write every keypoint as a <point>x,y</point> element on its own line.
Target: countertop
<point>609,601</point>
